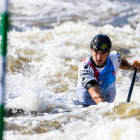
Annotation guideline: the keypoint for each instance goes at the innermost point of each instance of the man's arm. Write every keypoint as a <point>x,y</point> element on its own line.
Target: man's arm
<point>96,94</point>
<point>127,66</point>
<point>88,81</point>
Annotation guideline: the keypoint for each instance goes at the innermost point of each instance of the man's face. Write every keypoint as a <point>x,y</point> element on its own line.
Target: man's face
<point>99,57</point>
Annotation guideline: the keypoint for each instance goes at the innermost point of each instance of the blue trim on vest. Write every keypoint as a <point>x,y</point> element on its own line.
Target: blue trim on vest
<point>107,76</point>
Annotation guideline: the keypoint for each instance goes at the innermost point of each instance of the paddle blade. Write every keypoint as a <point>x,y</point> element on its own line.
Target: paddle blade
<point>132,84</point>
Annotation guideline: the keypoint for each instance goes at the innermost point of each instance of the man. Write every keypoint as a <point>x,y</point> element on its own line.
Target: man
<point>97,74</point>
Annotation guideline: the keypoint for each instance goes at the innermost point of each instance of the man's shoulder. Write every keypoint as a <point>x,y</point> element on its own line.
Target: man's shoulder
<point>86,60</point>
<point>85,64</point>
<point>116,58</point>
<point>114,53</point>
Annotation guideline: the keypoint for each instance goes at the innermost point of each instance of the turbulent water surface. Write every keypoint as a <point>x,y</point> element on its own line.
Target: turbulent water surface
<point>46,42</point>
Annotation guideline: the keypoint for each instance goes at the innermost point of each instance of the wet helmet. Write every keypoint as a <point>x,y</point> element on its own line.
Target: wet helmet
<point>101,43</point>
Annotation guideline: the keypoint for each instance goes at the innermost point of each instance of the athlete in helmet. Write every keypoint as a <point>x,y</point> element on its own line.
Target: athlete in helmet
<point>97,74</point>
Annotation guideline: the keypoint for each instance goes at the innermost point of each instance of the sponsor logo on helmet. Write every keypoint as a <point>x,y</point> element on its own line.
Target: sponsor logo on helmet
<point>95,47</point>
<point>104,46</point>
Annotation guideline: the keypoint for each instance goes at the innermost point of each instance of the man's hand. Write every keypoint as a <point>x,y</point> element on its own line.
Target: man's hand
<point>96,94</point>
<point>136,64</point>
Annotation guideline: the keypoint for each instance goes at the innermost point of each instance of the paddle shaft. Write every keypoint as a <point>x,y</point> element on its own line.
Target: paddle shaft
<point>132,85</point>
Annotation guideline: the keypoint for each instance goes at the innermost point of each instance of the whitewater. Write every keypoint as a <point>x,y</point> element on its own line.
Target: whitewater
<point>46,42</point>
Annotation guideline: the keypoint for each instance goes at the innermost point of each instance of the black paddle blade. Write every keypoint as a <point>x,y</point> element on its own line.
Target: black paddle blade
<point>132,85</point>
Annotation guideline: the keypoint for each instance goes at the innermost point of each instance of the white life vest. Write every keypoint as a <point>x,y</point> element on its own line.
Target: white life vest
<point>105,77</point>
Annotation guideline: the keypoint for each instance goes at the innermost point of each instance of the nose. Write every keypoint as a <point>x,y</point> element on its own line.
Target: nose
<point>98,56</point>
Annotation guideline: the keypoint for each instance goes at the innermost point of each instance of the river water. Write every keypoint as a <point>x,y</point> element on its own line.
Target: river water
<point>46,42</point>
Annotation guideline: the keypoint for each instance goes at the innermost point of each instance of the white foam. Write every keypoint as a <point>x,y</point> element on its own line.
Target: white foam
<point>42,76</point>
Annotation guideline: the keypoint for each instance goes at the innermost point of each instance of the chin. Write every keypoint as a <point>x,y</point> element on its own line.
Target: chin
<point>99,64</point>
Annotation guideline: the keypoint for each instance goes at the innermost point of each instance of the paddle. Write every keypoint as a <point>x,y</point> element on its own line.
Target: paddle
<point>132,84</point>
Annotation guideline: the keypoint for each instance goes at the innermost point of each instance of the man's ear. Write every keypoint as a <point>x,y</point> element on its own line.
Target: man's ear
<point>91,50</point>
<point>108,52</point>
